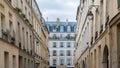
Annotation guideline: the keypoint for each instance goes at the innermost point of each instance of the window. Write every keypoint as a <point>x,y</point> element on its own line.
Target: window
<point>10,15</point>
<point>61,53</point>
<point>29,16</point>
<point>19,32</point>
<point>54,53</point>
<point>28,63</point>
<point>118,1</point>
<point>14,61</point>
<point>61,61</point>
<point>58,28</point>
<point>23,38</point>
<point>61,44</point>
<point>27,40</point>
<point>54,28</point>
<point>6,60</point>
<point>68,36</point>
<point>21,1</point>
<point>21,4</point>
<point>68,44</point>
<point>31,43</point>
<point>20,61</point>
<point>61,28</point>
<point>68,53</point>
<point>72,29</point>
<point>26,11</point>
<point>54,36</point>
<point>25,62</point>
<point>69,28</point>
<point>69,61</point>
<point>61,36</point>
<point>92,1</point>
<point>54,61</point>
<point>10,1</point>
<point>50,28</point>
<point>2,21</point>
<point>54,44</point>
<point>11,27</point>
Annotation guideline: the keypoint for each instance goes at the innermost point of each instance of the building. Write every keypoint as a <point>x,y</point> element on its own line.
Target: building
<point>23,35</point>
<point>98,34</point>
<point>61,43</point>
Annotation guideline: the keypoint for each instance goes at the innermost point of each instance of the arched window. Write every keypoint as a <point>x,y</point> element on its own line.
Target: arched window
<point>106,57</point>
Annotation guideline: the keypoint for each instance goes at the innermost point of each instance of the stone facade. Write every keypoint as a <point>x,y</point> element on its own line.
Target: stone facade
<point>101,50</point>
<point>23,35</point>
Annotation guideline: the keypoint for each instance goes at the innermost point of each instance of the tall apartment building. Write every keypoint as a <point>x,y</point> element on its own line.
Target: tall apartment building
<point>98,34</point>
<point>61,43</point>
<point>23,35</point>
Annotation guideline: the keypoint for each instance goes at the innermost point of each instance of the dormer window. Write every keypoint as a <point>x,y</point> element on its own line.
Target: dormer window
<point>68,28</point>
<point>61,28</point>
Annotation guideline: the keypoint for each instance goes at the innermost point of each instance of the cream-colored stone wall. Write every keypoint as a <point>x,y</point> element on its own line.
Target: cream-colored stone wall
<point>20,20</point>
<point>103,49</point>
<point>11,50</point>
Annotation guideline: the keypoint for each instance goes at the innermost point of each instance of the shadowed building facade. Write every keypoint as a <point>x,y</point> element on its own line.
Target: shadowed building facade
<point>98,34</point>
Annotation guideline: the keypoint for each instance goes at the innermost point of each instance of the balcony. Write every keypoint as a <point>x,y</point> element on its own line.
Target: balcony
<point>5,35</point>
<point>64,38</point>
<point>38,56</point>
<point>8,37</point>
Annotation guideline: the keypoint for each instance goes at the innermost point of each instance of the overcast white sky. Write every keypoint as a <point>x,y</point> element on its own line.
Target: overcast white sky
<point>63,9</point>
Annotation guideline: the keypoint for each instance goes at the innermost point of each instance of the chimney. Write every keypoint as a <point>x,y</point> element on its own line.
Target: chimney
<point>67,21</point>
<point>58,21</point>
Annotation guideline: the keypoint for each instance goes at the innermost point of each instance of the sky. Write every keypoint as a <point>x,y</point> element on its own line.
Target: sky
<point>62,9</point>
